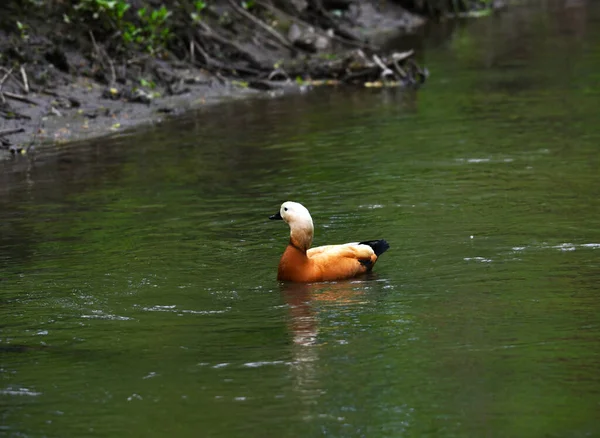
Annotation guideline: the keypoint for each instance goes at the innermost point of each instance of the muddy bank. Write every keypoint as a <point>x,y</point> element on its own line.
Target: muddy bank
<point>81,109</point>
<point>69,72</point>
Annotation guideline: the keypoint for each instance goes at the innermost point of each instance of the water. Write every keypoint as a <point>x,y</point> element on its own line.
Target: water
<point>138,282</point>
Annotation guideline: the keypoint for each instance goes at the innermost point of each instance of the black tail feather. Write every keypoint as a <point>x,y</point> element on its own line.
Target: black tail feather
<point>379,246</point>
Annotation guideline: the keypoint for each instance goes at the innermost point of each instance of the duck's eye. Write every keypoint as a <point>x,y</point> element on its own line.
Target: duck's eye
<point>284,208</point>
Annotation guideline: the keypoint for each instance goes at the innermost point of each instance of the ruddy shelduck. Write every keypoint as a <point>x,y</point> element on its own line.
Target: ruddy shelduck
<point>303,264</point>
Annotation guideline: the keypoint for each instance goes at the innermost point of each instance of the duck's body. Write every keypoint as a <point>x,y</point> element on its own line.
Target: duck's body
<point>300,263</point>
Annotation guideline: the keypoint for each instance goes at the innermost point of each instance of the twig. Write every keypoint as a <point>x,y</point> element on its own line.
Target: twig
<point>207,59</point>
<point>403,55</point>
<point>94,41</point>
<point>399,69</point>
<point>20,98</point>
<point>278,72</point>
<point>112,71</point>
<point>261,24</point>
<point>25,81</point>
<point>8,73</point>
<point>4,132</point>
<point>386,70</point>
<point>97,52</point>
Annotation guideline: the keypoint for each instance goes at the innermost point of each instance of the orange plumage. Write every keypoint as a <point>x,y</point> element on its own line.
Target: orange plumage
<point>300,263</point>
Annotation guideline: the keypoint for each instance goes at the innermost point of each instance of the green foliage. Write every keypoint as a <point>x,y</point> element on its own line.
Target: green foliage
<point>148,84</point>
<point>147,28</point>
<point>248,4</point>
<point>199,6</point>
<point>23,30</point>
<point>154,32</point>
<point>111,10</point>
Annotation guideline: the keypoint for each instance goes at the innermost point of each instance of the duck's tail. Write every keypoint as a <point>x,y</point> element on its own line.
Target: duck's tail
<point>379,246</point>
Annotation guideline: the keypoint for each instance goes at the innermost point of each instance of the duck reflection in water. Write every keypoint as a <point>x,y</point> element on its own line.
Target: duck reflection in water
<point>303,301</point>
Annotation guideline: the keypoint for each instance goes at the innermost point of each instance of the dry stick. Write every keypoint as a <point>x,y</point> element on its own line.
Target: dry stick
<point>386,71</point>
<point>112,71</point>
<point>422,73</point>
<point>207,59</point>
<point>8,73</point>
<point>97,53</point>
<point>402,55</point>
<point>19,98</point>
<point>261,24</point>
<point>399,69</point>
<point>25,81</point>
<point>278,71</point>
<point>94,42</point>
<point>4,132</point>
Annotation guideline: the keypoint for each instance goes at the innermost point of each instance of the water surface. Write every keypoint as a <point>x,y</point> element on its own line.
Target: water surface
<point>137,273</point>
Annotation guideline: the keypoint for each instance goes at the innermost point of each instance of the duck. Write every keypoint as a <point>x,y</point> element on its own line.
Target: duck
<point>302,264</point>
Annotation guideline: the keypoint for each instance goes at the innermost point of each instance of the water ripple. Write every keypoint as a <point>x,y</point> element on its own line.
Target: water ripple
<point>19,391</point>
<point>173,309</point>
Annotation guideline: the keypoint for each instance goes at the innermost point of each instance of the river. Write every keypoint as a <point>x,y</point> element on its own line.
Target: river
<point>137,272</point>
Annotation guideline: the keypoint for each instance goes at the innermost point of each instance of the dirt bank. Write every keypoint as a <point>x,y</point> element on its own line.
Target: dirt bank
<point>68,73</point>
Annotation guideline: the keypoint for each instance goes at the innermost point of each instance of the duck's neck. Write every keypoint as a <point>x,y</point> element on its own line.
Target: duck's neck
<point>301,237</point>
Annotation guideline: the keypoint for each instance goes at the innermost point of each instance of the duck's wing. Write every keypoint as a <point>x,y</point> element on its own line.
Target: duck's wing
<point>329,254</point>
<point>353,249</point>
<point>338,262</point>
<point>328,248</point>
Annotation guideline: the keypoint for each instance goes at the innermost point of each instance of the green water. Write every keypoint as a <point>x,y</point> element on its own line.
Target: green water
<point>137,274</point>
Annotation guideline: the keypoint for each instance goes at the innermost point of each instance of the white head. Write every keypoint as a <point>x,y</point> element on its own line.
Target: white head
<point>301,225</point>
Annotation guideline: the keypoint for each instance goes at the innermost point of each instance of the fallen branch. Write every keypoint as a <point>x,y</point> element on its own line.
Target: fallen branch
<point>396,69</point>
<point>19,97</point>
<point>4,132</point>
<point>385,71</point>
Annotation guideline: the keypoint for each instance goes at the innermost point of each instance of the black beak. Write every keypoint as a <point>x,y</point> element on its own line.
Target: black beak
<point>276,217</point>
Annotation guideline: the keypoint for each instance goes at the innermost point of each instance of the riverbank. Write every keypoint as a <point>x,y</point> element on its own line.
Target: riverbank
<point>75,72</point>
<point>71,74</point>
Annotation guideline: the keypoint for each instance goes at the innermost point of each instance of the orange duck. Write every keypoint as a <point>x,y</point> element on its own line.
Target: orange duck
<point>303,264</point>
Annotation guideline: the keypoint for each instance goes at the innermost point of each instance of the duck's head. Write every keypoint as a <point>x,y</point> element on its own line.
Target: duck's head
<point>298,218</point>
